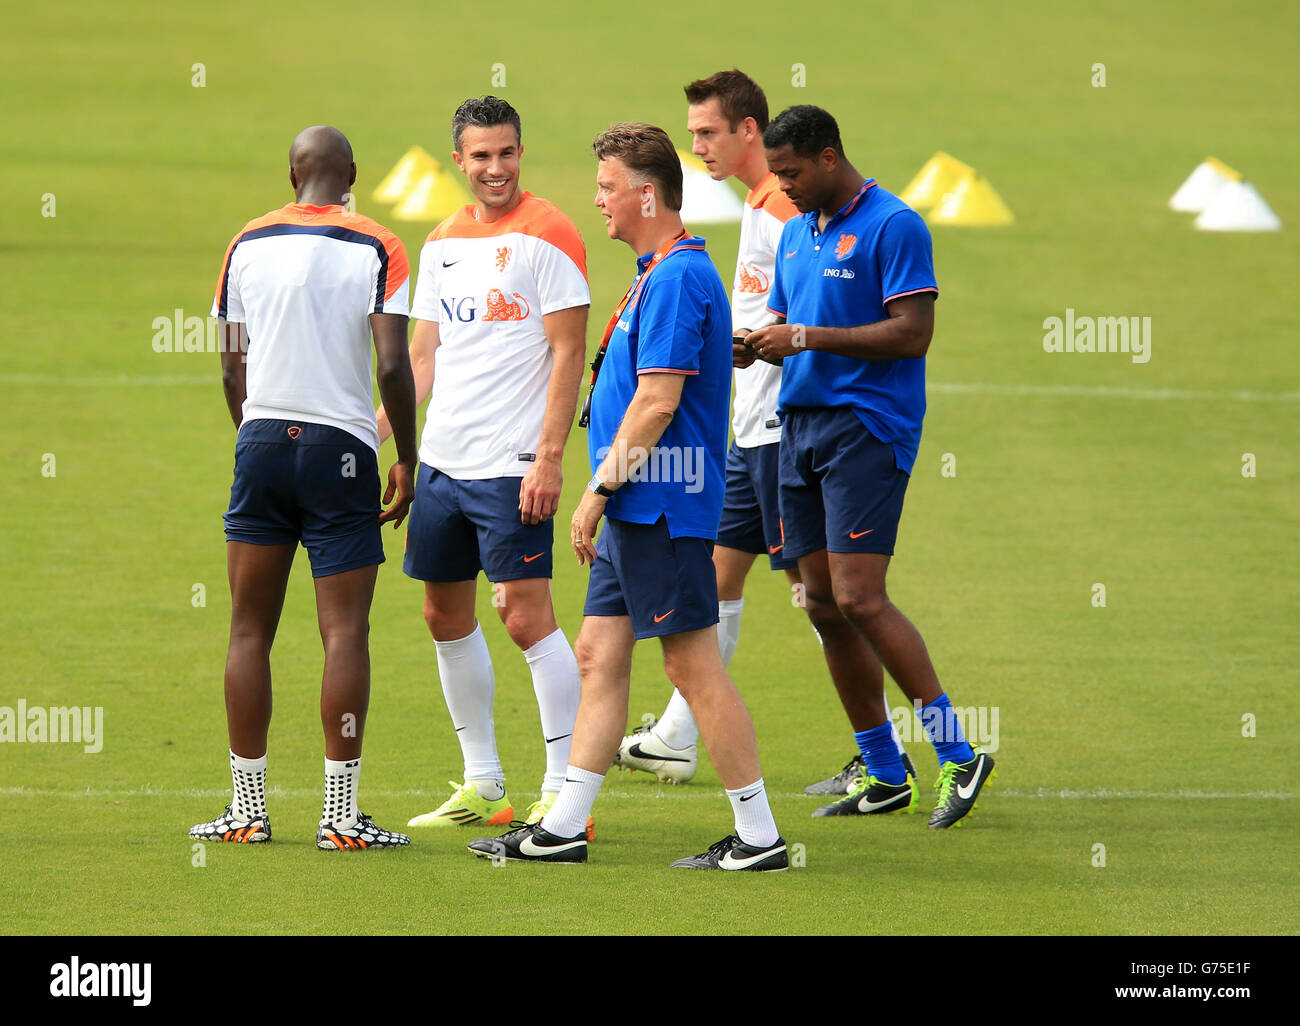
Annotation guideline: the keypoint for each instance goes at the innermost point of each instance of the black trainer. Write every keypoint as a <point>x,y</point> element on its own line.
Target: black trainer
<point>959,786</point>
<point>872,797</point>
<point>531,843</point>
<point>733,853</point>
<point>842,782</point>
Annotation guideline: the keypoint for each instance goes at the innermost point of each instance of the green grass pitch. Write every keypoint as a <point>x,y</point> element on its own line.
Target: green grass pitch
<point>1119,726</point>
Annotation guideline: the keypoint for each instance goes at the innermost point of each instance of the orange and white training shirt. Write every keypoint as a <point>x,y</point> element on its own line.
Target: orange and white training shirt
<point>753,418</point>
<point>488,287</point>
<point>305,279</point>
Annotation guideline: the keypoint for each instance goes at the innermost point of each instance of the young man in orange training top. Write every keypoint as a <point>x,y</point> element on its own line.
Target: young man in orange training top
<point>726,116</point>
<point>500,340</point>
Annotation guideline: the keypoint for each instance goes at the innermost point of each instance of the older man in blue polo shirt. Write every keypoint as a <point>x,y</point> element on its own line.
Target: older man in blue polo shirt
<point>855,288</point>
<point>658,440</point>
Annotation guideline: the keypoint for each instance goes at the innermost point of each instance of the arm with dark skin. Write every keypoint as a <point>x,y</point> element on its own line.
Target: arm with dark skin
<point>234,366</point>
<point>904,335</point>
<point>397,391</point>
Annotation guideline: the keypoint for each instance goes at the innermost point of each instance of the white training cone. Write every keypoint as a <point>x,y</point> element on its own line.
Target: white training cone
<point>1195,193</point>
<point>1238,207</point>
<point>704,200</point>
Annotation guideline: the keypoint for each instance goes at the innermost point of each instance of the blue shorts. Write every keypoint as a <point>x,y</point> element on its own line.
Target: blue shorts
<point>751,506</point>
<point>458,528</point>
<point>665,585</point>
<point>840,488</point>
<point>310,483</point>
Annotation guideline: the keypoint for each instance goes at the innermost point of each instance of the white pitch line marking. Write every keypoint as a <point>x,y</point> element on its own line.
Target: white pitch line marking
<point>939,387</point>
<point>673,794</point>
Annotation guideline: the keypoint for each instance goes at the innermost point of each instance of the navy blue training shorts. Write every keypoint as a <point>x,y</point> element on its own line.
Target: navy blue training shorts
<point>840,487</point>
<point>311,483</point>
<point>458,528</point>
<point>751,505</point>
<point>665,585</point>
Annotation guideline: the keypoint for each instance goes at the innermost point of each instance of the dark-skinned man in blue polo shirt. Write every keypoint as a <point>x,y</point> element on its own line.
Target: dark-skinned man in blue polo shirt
<point>657,441</point>
<point>855,288</point>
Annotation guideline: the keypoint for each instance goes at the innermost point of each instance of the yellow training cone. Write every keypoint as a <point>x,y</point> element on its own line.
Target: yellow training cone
<point>972,202</point>
<point>940,175</point>
<point>436,195</point>
<point>413,166</point>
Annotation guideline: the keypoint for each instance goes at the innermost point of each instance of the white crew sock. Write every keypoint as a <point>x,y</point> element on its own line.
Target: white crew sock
<point>754,823</point>
<point>341,780</point>
<point>248,784</point>
<point>469,685</point>
<point>568,816</point>
<point>676,727</point>
<point>558,687</point>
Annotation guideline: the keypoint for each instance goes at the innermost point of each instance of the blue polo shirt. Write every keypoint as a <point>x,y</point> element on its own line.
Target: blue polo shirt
<point>679,323</point>
<point>875,249</point>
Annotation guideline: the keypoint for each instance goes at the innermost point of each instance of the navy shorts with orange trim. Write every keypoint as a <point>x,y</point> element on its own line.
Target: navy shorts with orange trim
<point>751,505</point>
<point>841,489</point>
<point>665,585</point>
<point>311,483</point>
<point>457,528</point>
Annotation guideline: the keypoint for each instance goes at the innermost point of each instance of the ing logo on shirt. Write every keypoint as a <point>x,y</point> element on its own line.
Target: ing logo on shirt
<point>501,309</point>
<point>755,281</point>
<point>845,246</point>
<point>503,258</point>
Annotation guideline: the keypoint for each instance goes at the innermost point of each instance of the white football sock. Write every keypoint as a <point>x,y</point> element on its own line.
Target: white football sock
<point>468,685</point>
<point>568,816</point>
<point>754,823</point>
<point>676,727</point>
<point>341,780</point>
<point>558,686</point>
<point>248,782</point>
<point>489,788</point>
<point>729,627</point>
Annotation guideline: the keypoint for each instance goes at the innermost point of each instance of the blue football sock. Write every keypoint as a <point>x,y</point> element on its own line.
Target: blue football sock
<point>944,732</point>
<point>881,754</point>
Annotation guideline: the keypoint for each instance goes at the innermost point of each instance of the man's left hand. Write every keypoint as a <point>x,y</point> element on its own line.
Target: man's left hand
<point>539,492</point>
<point>777,341</point>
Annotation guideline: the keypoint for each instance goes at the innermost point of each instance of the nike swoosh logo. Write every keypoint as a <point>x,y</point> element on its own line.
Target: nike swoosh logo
<point>859,534</point>
<point>771,549</point>
<point>446,264</point>
<point>570,780</point>
<point>552,740</point>
<point>529,559</point>
<point>459,729</point>
<point>730,861</point>
<point>791,253</point>
<point>963,792</point>
<point>636,751</point>
<point>666,615</point>
<point>746,797</point>
<point>866,806</point>
<point>529,847</point>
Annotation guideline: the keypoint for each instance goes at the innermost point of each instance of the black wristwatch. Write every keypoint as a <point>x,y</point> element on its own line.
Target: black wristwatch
<point>596,486</point>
